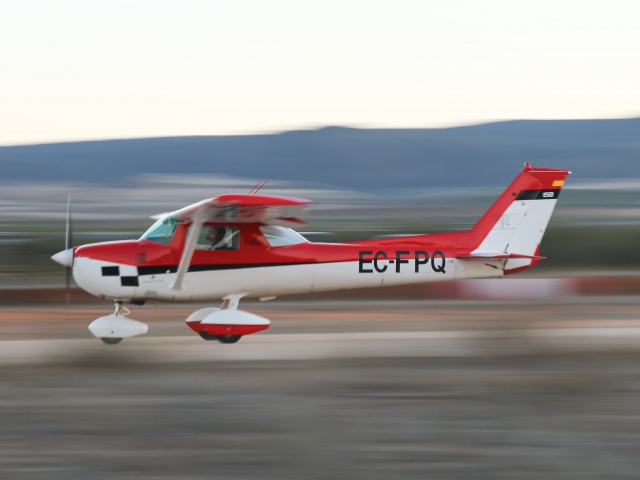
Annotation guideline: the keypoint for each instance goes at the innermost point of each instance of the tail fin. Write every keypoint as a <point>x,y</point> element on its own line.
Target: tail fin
<point>515,223</point>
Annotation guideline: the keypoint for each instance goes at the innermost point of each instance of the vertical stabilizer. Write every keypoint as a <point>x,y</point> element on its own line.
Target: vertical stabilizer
<point>516,222</point>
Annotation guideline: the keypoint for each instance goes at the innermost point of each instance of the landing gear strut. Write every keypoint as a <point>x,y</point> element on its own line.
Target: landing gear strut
<point>119,310</point>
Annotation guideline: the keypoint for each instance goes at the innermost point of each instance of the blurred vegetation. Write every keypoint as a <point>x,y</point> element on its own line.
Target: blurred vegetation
<point>567,247</point>
<point>593,229</point>
<point>26,247</point>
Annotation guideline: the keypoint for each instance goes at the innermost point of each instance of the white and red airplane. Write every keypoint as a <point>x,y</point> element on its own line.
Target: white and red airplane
<point>237,246</point>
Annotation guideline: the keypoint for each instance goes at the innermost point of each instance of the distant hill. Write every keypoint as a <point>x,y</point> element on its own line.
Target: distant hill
<point>364,159</point>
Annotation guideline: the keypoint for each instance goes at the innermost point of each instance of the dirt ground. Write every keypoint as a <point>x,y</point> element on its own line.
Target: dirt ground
<point>572,414</point>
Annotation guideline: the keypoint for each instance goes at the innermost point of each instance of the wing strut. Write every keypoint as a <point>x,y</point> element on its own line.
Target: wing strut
<point>187,253</point>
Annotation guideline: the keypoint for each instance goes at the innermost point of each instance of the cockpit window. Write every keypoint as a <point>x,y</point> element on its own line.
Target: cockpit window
<point>162,231</point>
<point>280,236</point>
<point>217,237</point>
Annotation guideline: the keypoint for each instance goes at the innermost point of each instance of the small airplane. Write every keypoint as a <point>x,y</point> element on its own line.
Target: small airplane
<point>237,246</point>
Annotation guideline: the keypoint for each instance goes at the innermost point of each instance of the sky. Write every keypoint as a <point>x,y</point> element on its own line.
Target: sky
<point>78,70</point>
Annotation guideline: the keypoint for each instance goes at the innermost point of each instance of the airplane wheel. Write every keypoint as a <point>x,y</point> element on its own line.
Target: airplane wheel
<point>208,336</point>
<point>229,338</point>
<point>111,341</point>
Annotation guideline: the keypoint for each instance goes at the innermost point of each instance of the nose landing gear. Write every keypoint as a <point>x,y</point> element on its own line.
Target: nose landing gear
<point>111,329</point>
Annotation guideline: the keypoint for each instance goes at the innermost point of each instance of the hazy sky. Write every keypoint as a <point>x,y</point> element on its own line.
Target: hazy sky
<point>105,69</point>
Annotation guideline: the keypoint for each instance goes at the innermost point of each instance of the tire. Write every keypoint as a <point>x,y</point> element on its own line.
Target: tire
<point>229,338</point>
<point>208,336</point>
<point>111,341</point>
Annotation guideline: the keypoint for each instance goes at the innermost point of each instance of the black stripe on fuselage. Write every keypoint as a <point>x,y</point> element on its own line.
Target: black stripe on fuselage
<point>236,266</point>
<point>152,270</point>
<point>157,270</point>
<point>538,194</point>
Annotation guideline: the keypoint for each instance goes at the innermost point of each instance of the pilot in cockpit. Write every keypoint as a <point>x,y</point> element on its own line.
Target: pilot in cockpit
<point>216,237</point>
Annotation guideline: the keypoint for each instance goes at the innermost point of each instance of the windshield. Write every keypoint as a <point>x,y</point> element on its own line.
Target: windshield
<point>279,236</point>
<point>162,231</point>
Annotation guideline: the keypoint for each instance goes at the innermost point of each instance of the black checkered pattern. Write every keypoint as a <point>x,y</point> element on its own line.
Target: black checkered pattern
<point>125,281</point>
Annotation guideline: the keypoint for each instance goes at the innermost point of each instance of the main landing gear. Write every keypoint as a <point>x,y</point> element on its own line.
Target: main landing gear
<point>221,338</point>
<point>207,336</point>
<point>226,324</point>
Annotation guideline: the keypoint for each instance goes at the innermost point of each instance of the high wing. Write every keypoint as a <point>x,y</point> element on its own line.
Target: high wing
<point>244,208</point>
<point>234,208</point>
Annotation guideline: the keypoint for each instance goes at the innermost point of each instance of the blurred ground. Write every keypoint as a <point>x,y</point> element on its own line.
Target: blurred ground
<point>374,389</point>
<point>566,416</point>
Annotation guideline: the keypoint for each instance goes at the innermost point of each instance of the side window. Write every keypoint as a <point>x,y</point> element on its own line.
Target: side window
<point>280,236</point>
<point>218,237</point>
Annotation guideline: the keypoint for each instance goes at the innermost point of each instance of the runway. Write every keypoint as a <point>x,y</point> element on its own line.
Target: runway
<point>325,346</point>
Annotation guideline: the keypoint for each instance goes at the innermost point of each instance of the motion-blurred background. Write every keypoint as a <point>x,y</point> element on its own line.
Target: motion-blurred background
<point>394,118</point>
<point>365,183</point>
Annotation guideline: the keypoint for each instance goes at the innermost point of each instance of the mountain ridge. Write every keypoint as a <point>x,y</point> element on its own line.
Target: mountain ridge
<point>347,157</point>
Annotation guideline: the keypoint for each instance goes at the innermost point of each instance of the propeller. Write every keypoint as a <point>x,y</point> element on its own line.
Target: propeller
<point>65,257</point>
<point>68,243</point>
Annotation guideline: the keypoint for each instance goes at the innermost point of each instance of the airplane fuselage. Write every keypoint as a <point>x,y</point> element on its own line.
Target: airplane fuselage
<point>145,270</point>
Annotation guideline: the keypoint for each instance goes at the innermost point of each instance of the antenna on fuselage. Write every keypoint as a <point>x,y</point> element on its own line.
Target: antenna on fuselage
<point>258,186</point>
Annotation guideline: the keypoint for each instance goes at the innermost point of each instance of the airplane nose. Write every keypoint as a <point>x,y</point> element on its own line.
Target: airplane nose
<point>64,257</point>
